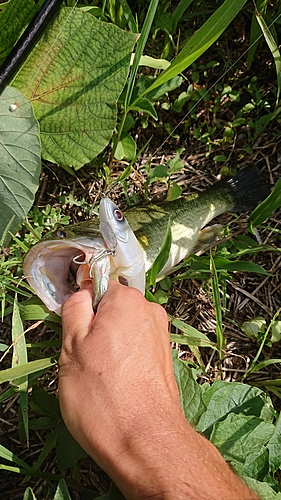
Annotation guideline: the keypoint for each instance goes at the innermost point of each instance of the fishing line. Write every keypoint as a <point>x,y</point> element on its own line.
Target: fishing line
<point>214,84</point>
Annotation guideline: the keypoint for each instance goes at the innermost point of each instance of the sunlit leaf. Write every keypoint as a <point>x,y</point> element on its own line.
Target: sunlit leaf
<point>239,436</point>
<point>274,50</point>
<point>29,494</point>
<point>174,192</point>
<point>191,335</point>
<point>62,492</point>
<point>31,367</point>
<point>126,148</point>
<point>276,331</point>
<point>75,86</point>
<point>9,455</point>
<point>190,392</point>
<point>254,326</point>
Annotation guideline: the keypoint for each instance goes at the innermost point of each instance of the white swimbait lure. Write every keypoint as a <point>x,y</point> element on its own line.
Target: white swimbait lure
<point>128,257</point>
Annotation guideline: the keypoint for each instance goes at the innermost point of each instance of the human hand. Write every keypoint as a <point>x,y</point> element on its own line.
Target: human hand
<point>120,401</point>
<point>116,372</point>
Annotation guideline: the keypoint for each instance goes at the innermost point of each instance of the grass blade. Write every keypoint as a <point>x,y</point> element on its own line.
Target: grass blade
<point>20,358</point>
<point>200,41</point>
<point>178,12</point>
<point>266,207</point>
<point>255,35</point>
<point>161,258</point>
<point>139,50</point>
<point>274,50</point>
<point>218,309</point>
<point>191,336</point>
<point>26,369</point>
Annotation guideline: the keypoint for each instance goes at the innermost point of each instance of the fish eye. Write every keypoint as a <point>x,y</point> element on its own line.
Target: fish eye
<point>118,214</point>
<point>61,233</point>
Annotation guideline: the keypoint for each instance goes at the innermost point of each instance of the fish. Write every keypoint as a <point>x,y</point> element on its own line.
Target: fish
<point>188,215</point>
<point>72,257</point>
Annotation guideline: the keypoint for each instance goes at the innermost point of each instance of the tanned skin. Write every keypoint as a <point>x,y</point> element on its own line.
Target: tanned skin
<point>120,401</point>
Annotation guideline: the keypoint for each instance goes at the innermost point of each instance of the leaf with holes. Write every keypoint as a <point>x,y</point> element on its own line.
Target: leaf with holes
<point>73,78</point>
<point>20,162</point>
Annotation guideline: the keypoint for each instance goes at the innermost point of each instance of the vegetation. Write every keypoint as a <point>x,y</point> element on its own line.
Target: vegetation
<point>190,91</point>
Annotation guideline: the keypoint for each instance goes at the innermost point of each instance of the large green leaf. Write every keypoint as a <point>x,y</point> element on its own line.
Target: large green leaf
<point>239,436</point>
<point>223,398</point>
<point>73,78</point>
<point>19,158</point>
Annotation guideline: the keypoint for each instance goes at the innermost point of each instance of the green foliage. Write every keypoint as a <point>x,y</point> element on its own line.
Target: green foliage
<point>76,82</point>
<point>74,91</point>
<point>20,158</point>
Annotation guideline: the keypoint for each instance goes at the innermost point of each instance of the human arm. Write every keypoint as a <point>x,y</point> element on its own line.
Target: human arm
<point>120,401</point>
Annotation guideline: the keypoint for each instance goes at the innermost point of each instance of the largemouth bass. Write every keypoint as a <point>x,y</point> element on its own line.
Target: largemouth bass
<point>188,216</point>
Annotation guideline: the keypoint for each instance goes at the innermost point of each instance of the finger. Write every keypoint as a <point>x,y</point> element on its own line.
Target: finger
<point>77,314</point>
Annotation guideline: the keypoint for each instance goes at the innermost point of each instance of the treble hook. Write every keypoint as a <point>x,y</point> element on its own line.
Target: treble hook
<point>95,257</point>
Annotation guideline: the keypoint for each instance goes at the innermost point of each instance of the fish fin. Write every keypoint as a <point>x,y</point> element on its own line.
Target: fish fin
<point>207,237</point>
<point>248,188</point>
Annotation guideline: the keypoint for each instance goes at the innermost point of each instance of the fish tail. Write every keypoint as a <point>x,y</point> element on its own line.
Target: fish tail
<point>248,188</point>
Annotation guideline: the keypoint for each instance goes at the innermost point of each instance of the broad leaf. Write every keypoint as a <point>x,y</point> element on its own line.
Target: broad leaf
<point>274,447</point>
<point>20,162</point>
<point>262,489</point>
<point>73,78</point>
<point>190,392</point>
<point>29,494</point>
<point>223,398</point>
<point>239,436</point>
<point>62,492</point>
<point>126,148</point>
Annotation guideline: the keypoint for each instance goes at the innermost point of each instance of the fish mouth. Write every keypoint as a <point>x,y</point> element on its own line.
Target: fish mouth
<point>57,269</point>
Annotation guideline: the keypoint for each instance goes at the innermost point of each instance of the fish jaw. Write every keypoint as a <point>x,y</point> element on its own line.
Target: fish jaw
<point>128,265</point>
<point>53,274</point>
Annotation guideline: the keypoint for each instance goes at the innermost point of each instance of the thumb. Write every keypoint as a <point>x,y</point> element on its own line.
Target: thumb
<point>77,314</point>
